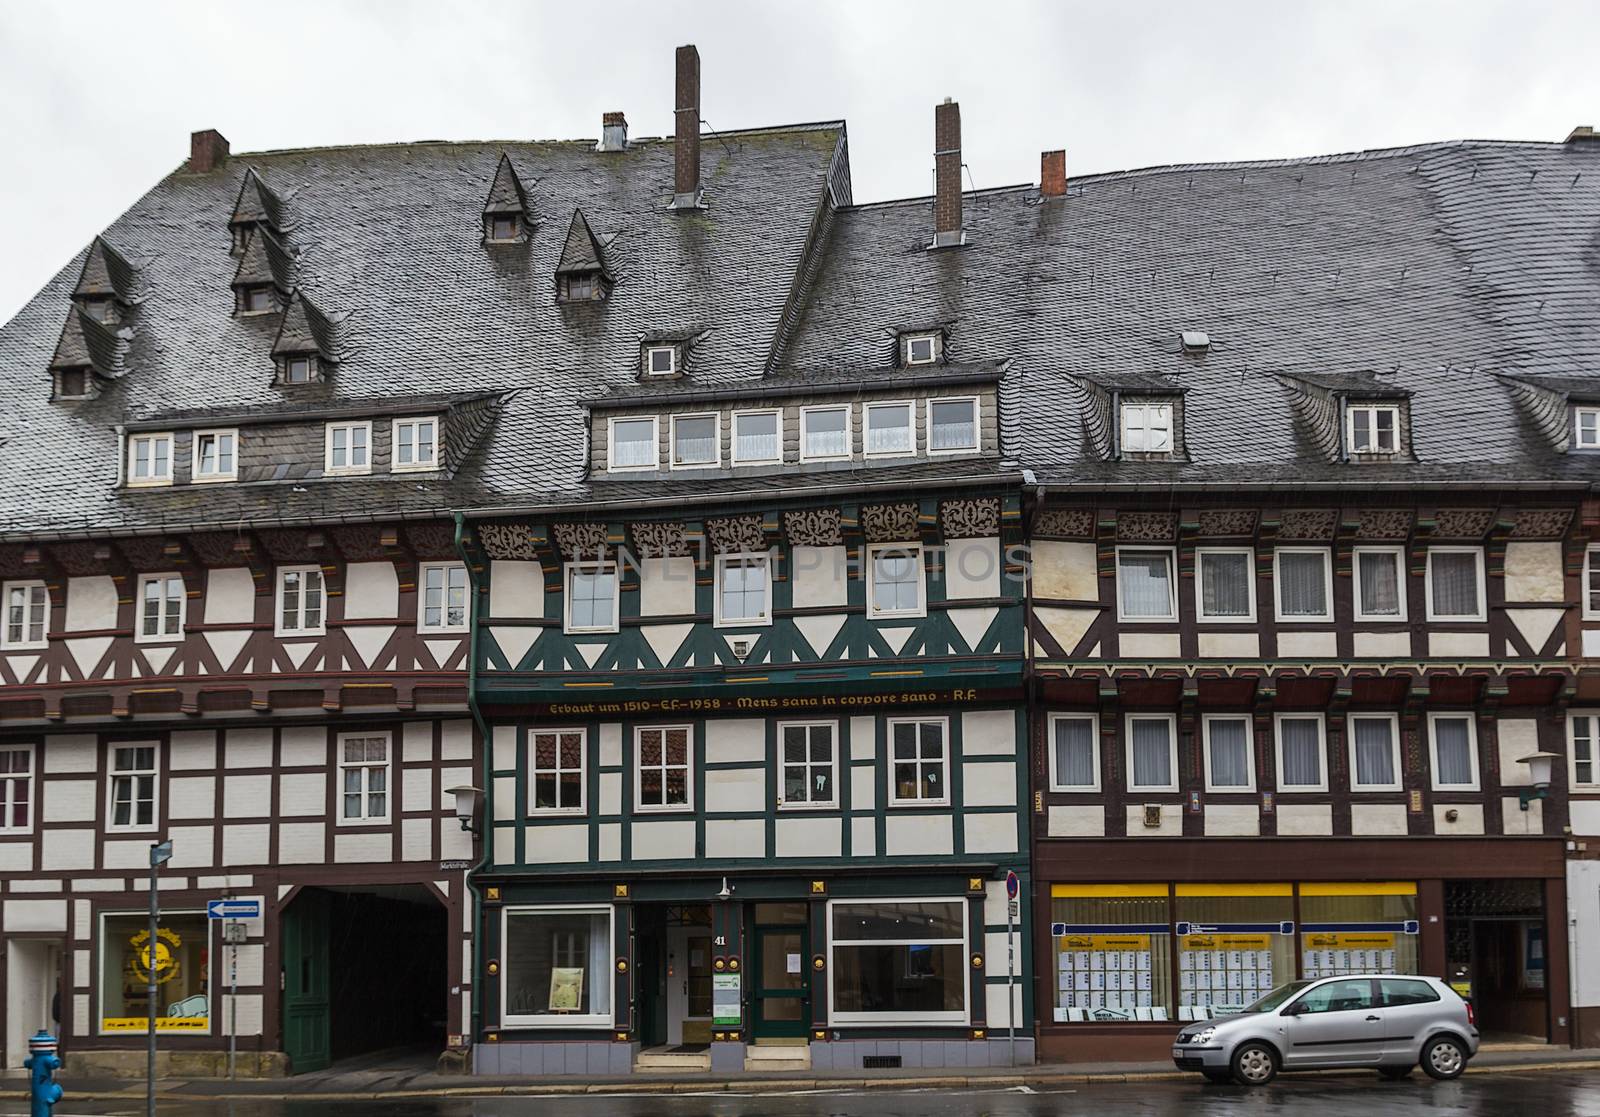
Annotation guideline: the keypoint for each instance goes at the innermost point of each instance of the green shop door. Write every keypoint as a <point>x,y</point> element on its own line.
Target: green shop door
<point>782,995</point>
<point>307,1018</point>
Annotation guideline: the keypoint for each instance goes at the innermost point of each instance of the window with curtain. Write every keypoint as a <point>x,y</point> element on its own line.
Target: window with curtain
<point>755,437</point>
<point>1151,753</point>
<point>633,443</point>
<point>1591,583</point>
<point>1225,585</point>
<point>952,425</point>
<point>1375,765</point>
<point>694,440</point>
<point>825,432</point>
<point>1453,761</point>
<point>1228,753</point>
<point>1076,766</point>
<point>1300,765</point>
<point>1144,584</point>
<point>1303,585</point>
<point>1378,585</point>
<point>889,428</point>
<point>557,967</point>
<point>1453,584</point>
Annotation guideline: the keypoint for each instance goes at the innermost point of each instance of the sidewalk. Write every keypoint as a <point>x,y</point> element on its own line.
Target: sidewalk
<point>334,1085</point>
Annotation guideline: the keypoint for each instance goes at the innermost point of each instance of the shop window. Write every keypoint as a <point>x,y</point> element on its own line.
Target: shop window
<point>1113,957</point>
<point>1302,758</point>
<point>161,608</point>
<point>1226,588</point>
<point>591,597</point>
<point>894,583</point>
<point>743,590</point>
<point>1455,584</point>
<point>1235,945</point>
<point>1145,587</point>
<point>1583,741</point>
<point>1074,752</point>
<point>1453,742</point>
<point>1361,927</point>
<point>921,763</point>
<point>663,782</point>
<point>1304,580</point>
<point>182,958</point>
<point>1374,752</point>
<point>557,967</point>
<point>131,788</point>
<point>1230,763</point>
<point>16,789</point>
<point>444,598</point>
<point>1152,752</point>
<point>898,962</point>
<point>808,760</point>
<point>364,777</point>
<point>1380,584</point>
<point>556,771</point>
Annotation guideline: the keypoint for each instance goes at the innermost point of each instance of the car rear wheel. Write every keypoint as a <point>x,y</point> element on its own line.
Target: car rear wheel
<point>1444,1058</point>
<point>1255,1064</point>
<point>1395,1074</point>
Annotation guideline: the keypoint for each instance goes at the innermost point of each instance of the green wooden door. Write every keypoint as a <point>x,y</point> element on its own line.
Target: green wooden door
<point>307,1019</point>
<point>782,991</point>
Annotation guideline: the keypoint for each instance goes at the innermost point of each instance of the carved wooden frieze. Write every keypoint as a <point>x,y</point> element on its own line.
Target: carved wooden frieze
<point>970,519</point>
<point>736,535</point>
<point>435,540</point>
<point>147,553</point>
<point>889,523</point>
<point>1392,524</point>
<point>577,540</point>
<point>1065,523</point>
<point>1314,525</point>
<point>216,548</point>
<point>813,527</point>
<point>513,542</point>
<point>1463,523</point>
<point>285,545</point>
<point>77,558</point>
<point>1542,523</point>
<point>654,539</point>
<point>360,542</point>
<point>1215,522</point>
<point>1147,527</point>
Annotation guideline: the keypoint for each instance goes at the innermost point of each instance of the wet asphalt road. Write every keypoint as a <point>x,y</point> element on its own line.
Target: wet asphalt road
<point>1545,1093</point>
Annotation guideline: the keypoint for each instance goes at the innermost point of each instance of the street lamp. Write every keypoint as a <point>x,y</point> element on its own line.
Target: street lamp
<point>1539,765</point>
<point>160,854</point>
<point>467,798</point>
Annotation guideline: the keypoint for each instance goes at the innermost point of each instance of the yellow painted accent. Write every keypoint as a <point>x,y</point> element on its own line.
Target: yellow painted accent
<point>749,679</point>
<point>1225,942</point>
<point>1102,942</point>
<point>163,1024</point>
<point>1360,888</point>
<point>1098,891</point>
<point>893,674</point>
<point>1332,940</point>
<point>1235,890</point>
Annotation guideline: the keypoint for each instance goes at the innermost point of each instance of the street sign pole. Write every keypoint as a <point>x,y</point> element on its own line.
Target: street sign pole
<point>160,853</point>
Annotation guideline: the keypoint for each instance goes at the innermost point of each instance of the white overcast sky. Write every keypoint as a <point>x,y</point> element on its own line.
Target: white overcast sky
<point>98,99</point>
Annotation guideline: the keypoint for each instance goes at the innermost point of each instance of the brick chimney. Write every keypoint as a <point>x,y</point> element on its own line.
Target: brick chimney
<point>686,145</point>
<point>208,150</point>
<point>1053,174</point>
<point>613,132</point>
<point>946,174</point>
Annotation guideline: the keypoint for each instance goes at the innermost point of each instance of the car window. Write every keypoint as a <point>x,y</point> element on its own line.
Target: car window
<point>1397,991</point>
<point>1279,995</point>
<point>1346,995</point>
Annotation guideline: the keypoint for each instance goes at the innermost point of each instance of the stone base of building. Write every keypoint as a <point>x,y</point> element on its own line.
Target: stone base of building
<point>853,1054</point>
<point>175,1064</point>
<point>555,1057</point>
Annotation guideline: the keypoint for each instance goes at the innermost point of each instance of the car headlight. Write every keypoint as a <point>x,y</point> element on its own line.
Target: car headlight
<point>1203,1035</point>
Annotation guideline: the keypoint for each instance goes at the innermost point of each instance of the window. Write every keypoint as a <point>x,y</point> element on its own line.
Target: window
<point>898,961</point>
<point>182,956</point>
<point>696,440</point>
<point>161,608</point>
<point>1145,590</point>
<point>364,777</point>
<point>1304,578</point>
<point>1230,763</point>
<point>349,448</point>
<point>1221,973</point>
<point>921,349</point>
<point>1453,741</point>
<point>1301,753</point>
<point>663,782</point>
<point>1397,991</point>
<point>298,370</point>
<point>1336,915</point>
<point>1591,583</point>
<point>808,764</point>
<point>416,445</point>
<point>894,580</point>
<point>1374,752</point>
<point>1147,428</point>
<point>756,437</point>
<point>214,458</point>
<point>150,459</point>
<point>1587,422</point>
<point>824,433</point>
<point>582,287</point>
<point>257,299</point>
<point>1374,429</point>
<point>27,619</point>
<point>1344,995</point>
<point>888,430</point>
<point>1100,929</point>
<point>1074,752</point>
<point>1380,584</point>
<point>1583,739</point>
<point>444,598</point>
<point>72,383</point>
<point>16,789</point>
<point>1455,584</point>
<point>504,226</point>
<point>132,790</point>
<point>555,761</point>
<point>300,601</point>
<point>952,425</point>
<point>1152,752</point>
<point>920,762</point>
<point>661,360</point>
<point>1226,587</point>
<point>591,597</point>
<point>557,967</point>
<point>100,309</point>
<point>632,444</point>
<point>743,590</point>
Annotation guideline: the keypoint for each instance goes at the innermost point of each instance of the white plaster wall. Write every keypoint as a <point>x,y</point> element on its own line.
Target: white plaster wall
<point>972,568</point>
<point>371,591</point>
<point>1518,821</point>
<point>1171,822</point>
<point>1533,572</point>
<point>74,752</point>
<point>301,843</point>
<point>1229,645</point>
<point>1378,645</point>
<point>303,746</point>
<point>455,739</point>
<point>661,841</point>
<point>1313,645</point>
<point>1153,645</point>
<point>1583,908</point>
<point>350,848</point>
<point>863,738</point>
<point>1065,821</point>
<point>914,835</point>
<point>302,794</point>
<point>67,849</point>
<point>35,915</point>
<point>736,837</point>
<point>1469,818</point>
<point>68,800</point>
<point>1585,815</point>
<point>1233,819</point>
<point>249,748</point>
<point>990,832</point>
<point>417,741</point>
<point>16,857</point>
<point>809,837</point>
<point>194,847</point>
<point>1377,818</point>
<point>610,793</point>
<point>863,787</point>
<point>91,604</point>
<point>246,796</point>
<point>230,596</point>
<point>666,587</point>
<point>1305,819</point>
<point>988,733</point>
<point>730,740</point>
<point>986,783</point>
<point>1518,738</point>
<point>416,790</point>
<point>516,589</point>
<point>818,576</point>
<point>735,789</point>
<point>611,841</point>
<point>562,845</point>
<point>1470,645</point>
<point>193,797</point>
<point>245,845</point>
<point>863,836</point>
<point>1065,571</point>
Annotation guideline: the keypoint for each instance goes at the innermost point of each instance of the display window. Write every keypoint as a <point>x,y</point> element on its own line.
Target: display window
<point>898,961</point>
<point>557,968</point>
<point>1113,952</point>
<point>181,956</point>
<point>1358,927</point>
<point>1235,944</point>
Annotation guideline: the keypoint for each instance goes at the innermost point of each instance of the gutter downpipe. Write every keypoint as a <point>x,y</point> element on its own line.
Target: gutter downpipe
<point>1031,705</point>
<point>476,1016</point>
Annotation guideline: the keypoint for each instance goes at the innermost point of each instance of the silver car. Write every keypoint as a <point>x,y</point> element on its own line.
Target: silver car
<point>1380,1021</point>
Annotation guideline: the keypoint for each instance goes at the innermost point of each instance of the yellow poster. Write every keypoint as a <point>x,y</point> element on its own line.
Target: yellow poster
<point>1103,942</point>
<point>1225,942</point>
<point>163,1024</point>
<point>1360,940</point>
<point>566,988</point>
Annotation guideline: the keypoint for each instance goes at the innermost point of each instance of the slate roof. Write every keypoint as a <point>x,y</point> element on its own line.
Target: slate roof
<point>582,252</point>
<point>305,329</point>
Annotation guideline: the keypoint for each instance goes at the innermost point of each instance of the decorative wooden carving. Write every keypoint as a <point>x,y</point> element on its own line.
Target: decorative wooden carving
<point>970,519</point>
<point>736,535</point>
<point>813,527</point>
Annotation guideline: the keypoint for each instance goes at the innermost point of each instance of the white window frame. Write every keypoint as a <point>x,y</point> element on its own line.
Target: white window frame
<point>342,765</point>
<point>300,615</point>
<point>781,764</point>
<point>977,425</point>
<point>716,440</point>
<point>1401,579</point>
<point>1094,741</point>
<point>1578,413</point>
<point>1483,598</point>
<point>349,426</point>
<point>1371,410</point>
<point>589,566</point>
<point>444,601</point>
<point>869,1019</point>
<point>1149,409</point>
<point>24,644</point>
<point>650,352</point>
<point>611,444</point>
<point>915,550</point>
<point>733,436</point>
<point>583,771</point>
<point>113,774</point>
<point>1327,586</point>
<point>159,637</point>
<point>299,358</point>
<point>413,421</point>
<point>197,458</point>
<point>1171,616</point>
<point>1200,613</point>
<point>641,807</point>
<point>764,560</point>
<point>1590,590</point>
<point>1434,716</point>
<point>560,1019</point>
<point>1322,748</point>
<point>135,441</point>
<point>849,432</point>
<point>866,428</point>
<point>1172,752</point>
<point>1594,749</point>
<point>31,779</point>
<point>1395,752</point>
<point>911,340</point>
<point>945,760</point>
<point>1206,722</point>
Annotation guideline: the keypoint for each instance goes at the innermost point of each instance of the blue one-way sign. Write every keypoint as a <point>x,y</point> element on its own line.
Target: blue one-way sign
<point>233,909</point>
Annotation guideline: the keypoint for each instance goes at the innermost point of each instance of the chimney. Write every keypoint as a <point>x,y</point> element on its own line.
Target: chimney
<point>946,174</point>
<point>686,146</point>
<point>208,150</point>
<point>1053,174</point>
<point>613,132</point>
<point>1582,134</point>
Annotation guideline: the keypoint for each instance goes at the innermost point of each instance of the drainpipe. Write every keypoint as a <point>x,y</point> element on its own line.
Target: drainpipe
<point>485,829</point>
<point>1031,706</point>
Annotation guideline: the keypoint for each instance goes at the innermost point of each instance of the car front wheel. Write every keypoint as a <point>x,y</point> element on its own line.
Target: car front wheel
<point>1444,1058</point>
<point>1255,1064</point>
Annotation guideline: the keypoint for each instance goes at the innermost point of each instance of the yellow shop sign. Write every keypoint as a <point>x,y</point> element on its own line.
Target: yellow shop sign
<point>163,1024</point>
<point>1360,940</point>
<point>1103,942</point>
<point>1225,942</point>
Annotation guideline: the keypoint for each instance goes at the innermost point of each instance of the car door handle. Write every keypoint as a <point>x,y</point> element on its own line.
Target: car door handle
<point>1374,1018</point>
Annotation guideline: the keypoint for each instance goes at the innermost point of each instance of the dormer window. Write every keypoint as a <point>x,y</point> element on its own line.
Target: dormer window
<point>101,310</point>
<point>1373,428</point>
<point>920,349</point>
<point>632,444</point>
<point>150,459</point>
<point>1147,428</point>
<point>257,298</point>
<point>504,227</point>
<point>1587,423</point>
<point>73,383</point>
<point>952,425</point>
<point>241,236</point>
<point>661,360</point>
<point>298,369</point>
<point>696,441</point>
